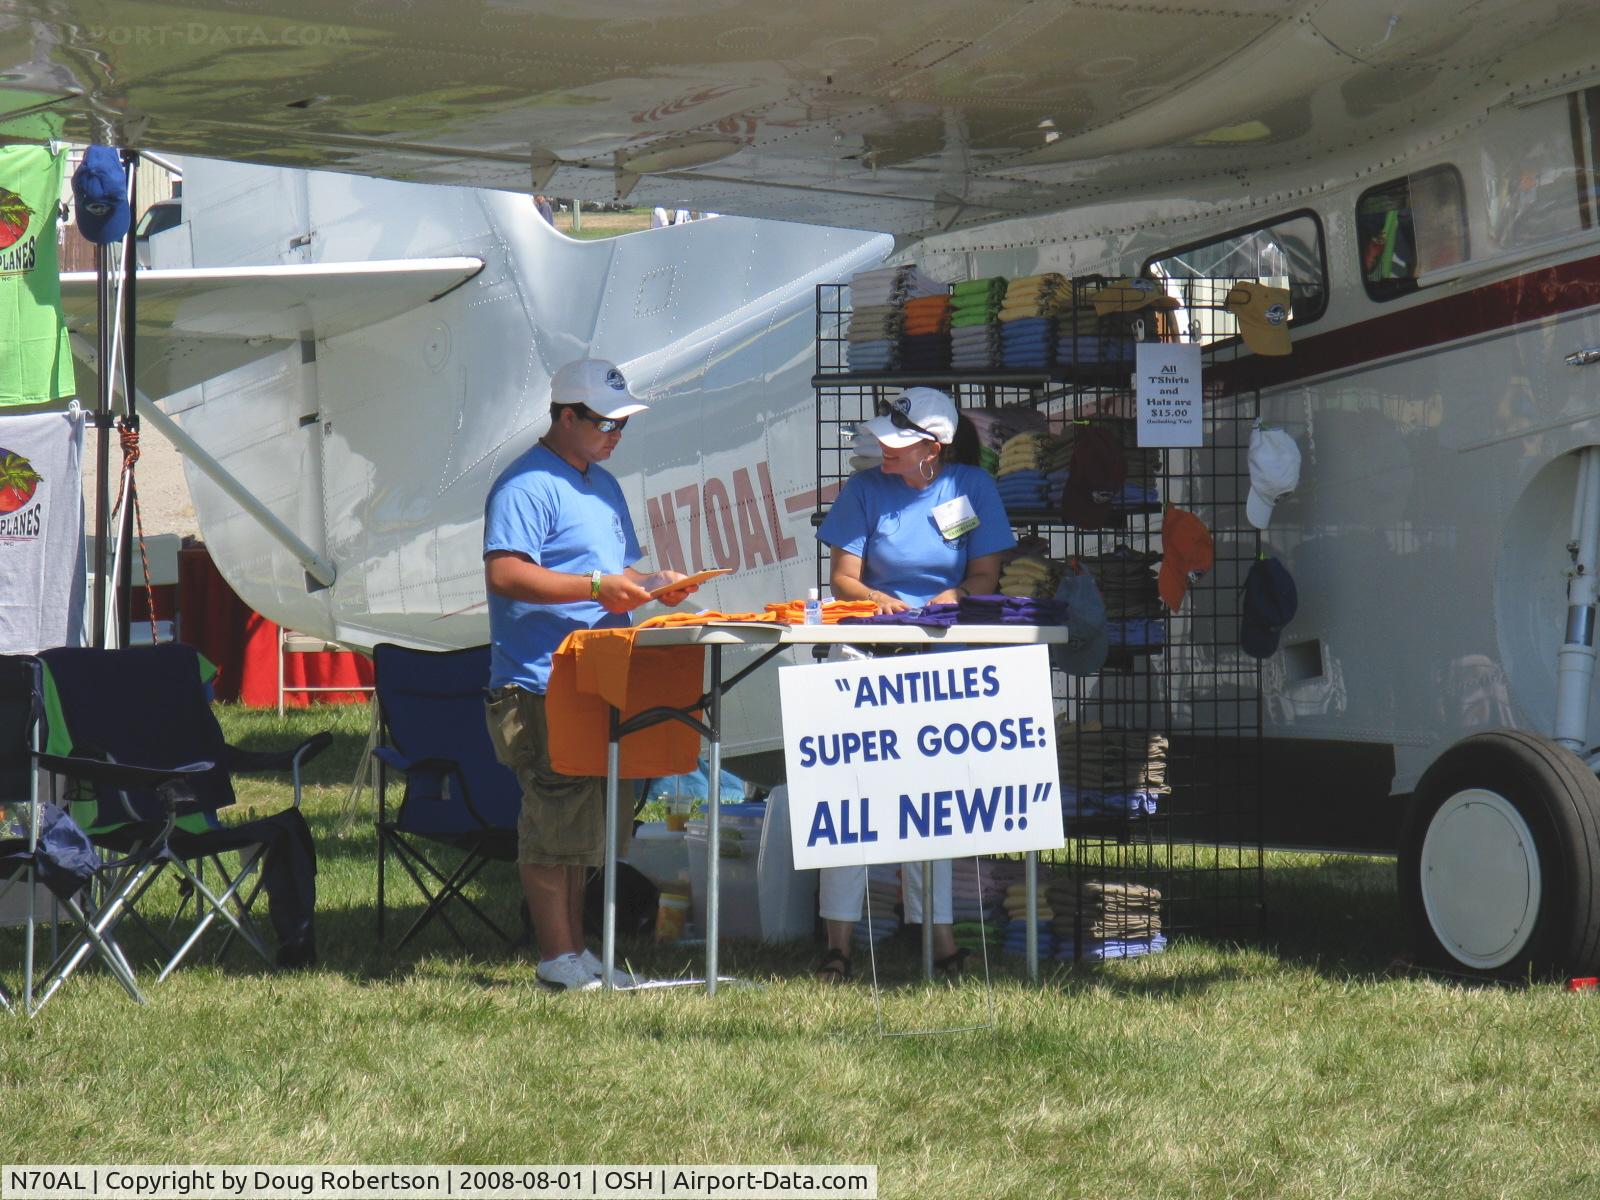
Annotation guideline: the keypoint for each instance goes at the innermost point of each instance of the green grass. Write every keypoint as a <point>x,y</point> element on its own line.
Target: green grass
<point>1298,1066</point>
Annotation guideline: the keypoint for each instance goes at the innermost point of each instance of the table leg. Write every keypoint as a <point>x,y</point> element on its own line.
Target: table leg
<point>1030,877</point>
<point>608,926</point>
<point>713,819</point>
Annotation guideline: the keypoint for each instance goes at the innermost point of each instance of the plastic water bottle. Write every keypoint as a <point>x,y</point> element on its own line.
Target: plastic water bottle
<point>813,607</point>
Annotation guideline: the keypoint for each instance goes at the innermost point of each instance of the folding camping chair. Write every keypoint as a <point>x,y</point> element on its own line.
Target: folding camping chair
<point>147,705</point>
<point>433,731</point>
<point>48,873</point>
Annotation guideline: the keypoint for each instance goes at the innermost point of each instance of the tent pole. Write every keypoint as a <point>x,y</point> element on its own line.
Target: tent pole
<point>130,421</point>
<point>102,424</point>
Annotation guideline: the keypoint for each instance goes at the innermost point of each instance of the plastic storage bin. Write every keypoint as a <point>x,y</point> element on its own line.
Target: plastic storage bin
<point>659,854</point>
<point>738,871</point>
<point>788,897</point>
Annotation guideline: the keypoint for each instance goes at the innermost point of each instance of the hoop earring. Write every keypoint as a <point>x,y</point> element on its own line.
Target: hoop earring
<point>922,469</point>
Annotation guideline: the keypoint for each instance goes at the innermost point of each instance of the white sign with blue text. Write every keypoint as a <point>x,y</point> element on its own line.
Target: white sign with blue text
<point>917,757</point>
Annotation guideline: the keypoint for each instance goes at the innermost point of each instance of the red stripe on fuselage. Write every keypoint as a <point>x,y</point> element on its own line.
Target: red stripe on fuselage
<point>1545,293</point>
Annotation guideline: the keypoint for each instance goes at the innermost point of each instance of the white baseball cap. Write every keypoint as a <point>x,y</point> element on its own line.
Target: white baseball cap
<point>596,384</point>
<point>916,414</point>
<point>1274,473</point>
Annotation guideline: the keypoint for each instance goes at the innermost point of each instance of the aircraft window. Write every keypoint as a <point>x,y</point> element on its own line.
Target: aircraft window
<point>1285,252</point>
<point>1542,174</point>
<point>1410,226</point>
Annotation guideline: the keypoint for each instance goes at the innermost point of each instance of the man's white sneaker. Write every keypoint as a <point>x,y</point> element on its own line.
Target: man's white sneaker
<point>621,978</point>
<point>565,973</point>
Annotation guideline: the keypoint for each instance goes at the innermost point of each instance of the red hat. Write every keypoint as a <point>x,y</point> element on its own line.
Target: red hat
<point>1186,555</point>
<point>1094,478</point>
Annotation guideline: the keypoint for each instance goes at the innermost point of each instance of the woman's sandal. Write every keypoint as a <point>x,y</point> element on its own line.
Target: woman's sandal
<point>951,965</point>
<point>835,967</point>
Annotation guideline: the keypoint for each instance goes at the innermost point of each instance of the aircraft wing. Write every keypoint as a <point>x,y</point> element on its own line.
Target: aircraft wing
<point>913,116</point>
<point>196,324</point>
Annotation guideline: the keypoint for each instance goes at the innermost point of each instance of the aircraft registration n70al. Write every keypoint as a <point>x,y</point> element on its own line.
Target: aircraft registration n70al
<point>1421,176</point>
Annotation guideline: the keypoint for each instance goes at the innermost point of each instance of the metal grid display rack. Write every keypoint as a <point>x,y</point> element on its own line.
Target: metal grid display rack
<point>1185,688</point>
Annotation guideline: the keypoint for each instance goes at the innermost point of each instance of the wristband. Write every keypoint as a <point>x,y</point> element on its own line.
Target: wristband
<point>594,585</point>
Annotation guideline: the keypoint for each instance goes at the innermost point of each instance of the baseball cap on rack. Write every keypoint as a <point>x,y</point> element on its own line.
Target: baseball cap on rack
<point>916,414</point>
<point>1274,472</point>
<point>1186,555</point>
<point>100,195</point>
<point>1270,602</point>
<point>596,384</point>
<point>1263,315</point>
<point>1130,295</point>
<point>1095,476</point>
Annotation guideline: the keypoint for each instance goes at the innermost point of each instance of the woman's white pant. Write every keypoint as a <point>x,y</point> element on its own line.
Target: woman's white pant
<point>841,890</point>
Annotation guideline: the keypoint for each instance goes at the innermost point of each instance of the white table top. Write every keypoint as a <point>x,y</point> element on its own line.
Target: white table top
<point>754,633</point>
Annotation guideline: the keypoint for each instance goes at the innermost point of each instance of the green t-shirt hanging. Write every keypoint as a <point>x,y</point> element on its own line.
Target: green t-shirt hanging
<point>35,356</point>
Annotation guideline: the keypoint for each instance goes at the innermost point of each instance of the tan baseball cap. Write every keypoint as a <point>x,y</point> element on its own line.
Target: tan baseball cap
<point>1263,315</point>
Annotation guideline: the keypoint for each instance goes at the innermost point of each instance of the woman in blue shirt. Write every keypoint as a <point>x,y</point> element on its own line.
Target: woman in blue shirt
<point>928,526</point>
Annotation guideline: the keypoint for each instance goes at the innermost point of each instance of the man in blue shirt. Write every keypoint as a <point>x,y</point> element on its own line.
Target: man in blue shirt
<point>557,544</point>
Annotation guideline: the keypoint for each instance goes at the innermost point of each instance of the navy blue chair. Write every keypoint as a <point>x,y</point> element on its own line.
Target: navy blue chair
<point>148,706</point>
<point>43,853</point>
<point>457,794</point>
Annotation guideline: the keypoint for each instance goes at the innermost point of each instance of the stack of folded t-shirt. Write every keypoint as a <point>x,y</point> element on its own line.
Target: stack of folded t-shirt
<point>1097,919</point>
<point>877,318</point>
<point>974,323</point>
<point>1119,773</point>
<point>1127,582</point>
<point>873,341</point>
<point>925,336</point>
<point>1027,342</point>
<point>1028,319</point>
<point>1016,928</point>
<point>1010,610</point>
<point>1020,474</point>
<point>933,616</point>
<point>996,426</point>
<point>1031,576</point>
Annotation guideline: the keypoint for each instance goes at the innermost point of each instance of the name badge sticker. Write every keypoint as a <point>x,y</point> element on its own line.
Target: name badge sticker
<point>955,517</point>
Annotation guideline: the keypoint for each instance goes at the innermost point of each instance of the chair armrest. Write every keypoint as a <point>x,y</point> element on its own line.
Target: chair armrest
<point>280,760</point>
<point>240,759</point>
<point>120,776</point>
<point>415,766</point>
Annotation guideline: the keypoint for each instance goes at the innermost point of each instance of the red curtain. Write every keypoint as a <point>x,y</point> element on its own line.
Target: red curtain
<point>244,645</point>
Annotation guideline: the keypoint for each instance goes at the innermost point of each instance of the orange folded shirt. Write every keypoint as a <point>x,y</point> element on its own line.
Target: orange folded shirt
<point>594,670</point>
<point>793,612</point>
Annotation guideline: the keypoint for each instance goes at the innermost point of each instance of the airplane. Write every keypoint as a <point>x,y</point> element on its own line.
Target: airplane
<point>1421,176</point>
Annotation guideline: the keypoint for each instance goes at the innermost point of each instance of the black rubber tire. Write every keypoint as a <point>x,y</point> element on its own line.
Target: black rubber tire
<point>1559,798</point>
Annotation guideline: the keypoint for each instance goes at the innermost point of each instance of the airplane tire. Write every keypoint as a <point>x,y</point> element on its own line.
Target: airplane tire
<point>1500,860</point>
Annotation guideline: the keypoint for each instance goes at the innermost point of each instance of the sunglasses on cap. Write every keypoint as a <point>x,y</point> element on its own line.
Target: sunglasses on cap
<point>900,421</point>
<point>604,424</point>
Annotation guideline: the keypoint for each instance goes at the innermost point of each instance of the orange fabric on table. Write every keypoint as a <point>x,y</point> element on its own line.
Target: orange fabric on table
<point>793,612</point>
<point>594,670</point>
<point>677,619</point>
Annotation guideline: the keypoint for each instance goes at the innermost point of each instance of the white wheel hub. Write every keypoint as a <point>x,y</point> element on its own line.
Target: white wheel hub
<point>1480,878</point>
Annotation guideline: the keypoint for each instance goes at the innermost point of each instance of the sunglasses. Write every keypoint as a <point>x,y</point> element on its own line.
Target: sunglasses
<point>605,424</point>
<point>900,421</point>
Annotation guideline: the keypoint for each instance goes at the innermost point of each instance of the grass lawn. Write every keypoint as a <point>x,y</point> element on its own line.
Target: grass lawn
<point>1300,1066</point>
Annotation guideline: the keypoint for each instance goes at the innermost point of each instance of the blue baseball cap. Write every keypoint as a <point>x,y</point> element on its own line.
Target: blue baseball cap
<point>100,190</point>
<point>1270,602</point>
